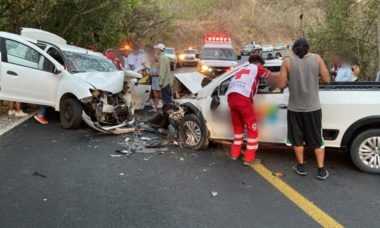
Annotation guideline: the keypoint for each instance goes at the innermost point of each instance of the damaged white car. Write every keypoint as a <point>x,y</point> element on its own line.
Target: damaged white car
<point>351,115</point>
<point>40,68</point>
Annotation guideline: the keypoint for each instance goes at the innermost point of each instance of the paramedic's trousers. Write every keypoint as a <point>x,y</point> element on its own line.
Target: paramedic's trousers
<point>243,117</point>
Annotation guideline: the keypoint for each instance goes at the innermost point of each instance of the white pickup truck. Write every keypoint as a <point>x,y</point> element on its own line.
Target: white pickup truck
<point>351,115</point>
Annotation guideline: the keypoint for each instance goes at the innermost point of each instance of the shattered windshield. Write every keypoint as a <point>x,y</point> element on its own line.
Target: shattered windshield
<point>81,62</point>
<point>218,54</point>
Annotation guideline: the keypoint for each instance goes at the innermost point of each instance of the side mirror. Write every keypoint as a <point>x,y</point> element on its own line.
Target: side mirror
<point>215,102</point>
<point>56,71</point>
<point>197,56</point>
<point>238,57</point>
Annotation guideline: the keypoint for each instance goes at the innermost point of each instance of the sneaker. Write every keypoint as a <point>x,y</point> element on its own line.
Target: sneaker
<point>300,169</point>
<point>11,112</point>
<point>254,162</point>
<point>234,158</point>
<point>40,119</point>
<point>20,114</point>
<point>323,174</point>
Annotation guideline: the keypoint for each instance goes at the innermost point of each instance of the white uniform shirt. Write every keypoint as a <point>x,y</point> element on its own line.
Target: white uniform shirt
<point>243,81</point>
<point>135,60</point>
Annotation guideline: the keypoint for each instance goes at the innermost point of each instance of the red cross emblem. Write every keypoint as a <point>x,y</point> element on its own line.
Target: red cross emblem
<point>242,72</point>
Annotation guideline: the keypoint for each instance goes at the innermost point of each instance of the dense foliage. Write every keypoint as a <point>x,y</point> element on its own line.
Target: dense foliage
<point>333,26</point>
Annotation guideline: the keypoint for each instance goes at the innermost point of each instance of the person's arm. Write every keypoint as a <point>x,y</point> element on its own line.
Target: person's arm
<point>282,81</point>
<point>162,70</point>
<point>356,70</point>
<point>324,72</point>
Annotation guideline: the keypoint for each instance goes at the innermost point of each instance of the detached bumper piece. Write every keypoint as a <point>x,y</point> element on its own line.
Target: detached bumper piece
<point>122,128</point>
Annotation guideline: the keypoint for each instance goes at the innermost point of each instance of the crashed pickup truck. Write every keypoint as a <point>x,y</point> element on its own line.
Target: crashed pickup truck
<point>40,68</point>
<point>351,115</point>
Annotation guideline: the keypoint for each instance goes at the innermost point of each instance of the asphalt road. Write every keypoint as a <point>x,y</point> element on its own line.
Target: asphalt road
<point>85,187</point>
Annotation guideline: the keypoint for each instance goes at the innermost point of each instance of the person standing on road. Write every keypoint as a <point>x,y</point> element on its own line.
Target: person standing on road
<point>300,73</point>
<point>135,58</point>
<point>240,94</point>
<point>152,64</point>
<point>164,75</point>
<point>15,109</point>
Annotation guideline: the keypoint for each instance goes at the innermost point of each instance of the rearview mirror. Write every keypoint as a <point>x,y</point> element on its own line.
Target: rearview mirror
<point>238,57</point>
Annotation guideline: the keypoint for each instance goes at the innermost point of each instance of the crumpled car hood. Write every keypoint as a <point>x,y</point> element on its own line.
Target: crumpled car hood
<point>192,81</point>
<point>219,63</point>
<point>106,81</point>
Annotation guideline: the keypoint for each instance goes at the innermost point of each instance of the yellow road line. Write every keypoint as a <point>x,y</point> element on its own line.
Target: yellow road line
<point>308,207</point>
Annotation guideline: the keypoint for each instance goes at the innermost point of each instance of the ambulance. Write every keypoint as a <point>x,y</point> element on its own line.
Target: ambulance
<point>217,55</point>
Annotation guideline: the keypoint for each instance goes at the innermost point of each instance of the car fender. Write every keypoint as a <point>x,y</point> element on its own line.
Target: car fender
<point>358,126</point>
<point>194,109</point>
<point>71,85</point>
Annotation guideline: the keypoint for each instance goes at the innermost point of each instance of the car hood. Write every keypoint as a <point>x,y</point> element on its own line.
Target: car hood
<point>192,81</point>
<point>106,81</point>
<point>219,63</point>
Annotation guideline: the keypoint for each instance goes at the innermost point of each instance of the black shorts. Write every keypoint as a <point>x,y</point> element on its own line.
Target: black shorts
<point>305,129</point>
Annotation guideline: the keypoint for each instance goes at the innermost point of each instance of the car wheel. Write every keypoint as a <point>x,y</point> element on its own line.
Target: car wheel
<point>365,151</point>
<point>70,113</point>
<point>193,132</point>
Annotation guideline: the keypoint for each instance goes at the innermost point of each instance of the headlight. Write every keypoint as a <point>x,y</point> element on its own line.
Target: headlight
<point>181,57</point>
<point>204,68</point>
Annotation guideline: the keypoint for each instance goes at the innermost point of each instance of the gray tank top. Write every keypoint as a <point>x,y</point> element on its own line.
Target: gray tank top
<point>303,84</point>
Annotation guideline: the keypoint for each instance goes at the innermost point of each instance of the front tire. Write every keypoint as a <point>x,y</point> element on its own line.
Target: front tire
<point>70,113</point>
<point>193,132</point>
<point>365,151</point>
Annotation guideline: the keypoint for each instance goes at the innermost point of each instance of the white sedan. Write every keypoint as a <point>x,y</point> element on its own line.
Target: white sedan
<point>40,68</point>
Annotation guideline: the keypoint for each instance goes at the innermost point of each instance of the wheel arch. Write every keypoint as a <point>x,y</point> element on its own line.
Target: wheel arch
<point>64,97</point>
<point>371,122</point>
<point>191,108</point>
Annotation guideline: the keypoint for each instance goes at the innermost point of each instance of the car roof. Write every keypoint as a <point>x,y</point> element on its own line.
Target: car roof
<point>17,37</point>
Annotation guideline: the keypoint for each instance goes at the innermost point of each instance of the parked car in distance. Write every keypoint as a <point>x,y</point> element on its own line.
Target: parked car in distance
<point>280,47</point>
<point>247,50</point>
<point>188,57</point>
<point>267,47</point>
<point>171,53</point>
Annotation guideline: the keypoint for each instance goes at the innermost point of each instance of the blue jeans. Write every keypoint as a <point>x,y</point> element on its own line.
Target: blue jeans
<point>166,93</point>
<point>41,111</point>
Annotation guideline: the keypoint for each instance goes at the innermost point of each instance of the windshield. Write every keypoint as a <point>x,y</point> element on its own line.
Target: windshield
<point>190,51</point>
<point>248,47</point>
<point>81,62</point>
<point>169,51</point>
<point>218,54</point>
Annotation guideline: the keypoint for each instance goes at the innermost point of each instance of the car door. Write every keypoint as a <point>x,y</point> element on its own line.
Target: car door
<point>27,74</point>
<point>141,93</point>
<point>271,113</point>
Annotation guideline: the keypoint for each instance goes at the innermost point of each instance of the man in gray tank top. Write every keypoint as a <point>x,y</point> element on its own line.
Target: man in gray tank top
<point>301,73</point>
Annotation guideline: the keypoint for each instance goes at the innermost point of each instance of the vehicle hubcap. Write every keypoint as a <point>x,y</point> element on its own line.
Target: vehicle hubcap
<point>369,152</point>
<point>193,133</point>
<point>68,113</point>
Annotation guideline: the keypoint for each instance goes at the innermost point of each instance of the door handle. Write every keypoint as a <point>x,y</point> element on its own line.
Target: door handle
<point>282,106</point>
<point>12,73</point>
<point>147,91</point>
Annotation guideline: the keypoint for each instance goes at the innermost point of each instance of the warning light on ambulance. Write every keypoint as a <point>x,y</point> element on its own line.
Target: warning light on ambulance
<point>217,38</point>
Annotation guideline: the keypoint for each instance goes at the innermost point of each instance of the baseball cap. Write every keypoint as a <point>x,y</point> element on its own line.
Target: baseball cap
<point>160,46</point>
